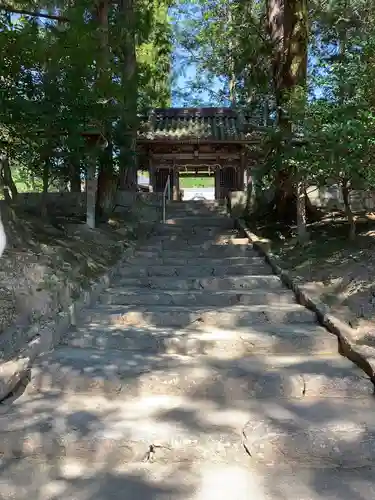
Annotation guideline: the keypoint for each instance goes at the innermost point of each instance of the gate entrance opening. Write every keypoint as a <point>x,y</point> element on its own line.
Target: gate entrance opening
<point>188,143</point>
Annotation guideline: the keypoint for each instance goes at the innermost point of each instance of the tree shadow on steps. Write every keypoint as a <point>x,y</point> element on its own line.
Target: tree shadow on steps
<point>212,406</point>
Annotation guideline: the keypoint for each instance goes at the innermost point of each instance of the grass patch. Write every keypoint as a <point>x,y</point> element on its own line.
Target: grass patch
<point>339,272</point>
<point>328,242</point>
<point>49,260</point>
<point>196,182</point>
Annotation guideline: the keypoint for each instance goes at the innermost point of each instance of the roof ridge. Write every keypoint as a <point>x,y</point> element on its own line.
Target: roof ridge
<point>197,124</point>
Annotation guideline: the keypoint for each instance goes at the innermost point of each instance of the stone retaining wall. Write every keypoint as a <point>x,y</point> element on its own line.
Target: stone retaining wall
<point>75,203</point>
<point>329,197</point>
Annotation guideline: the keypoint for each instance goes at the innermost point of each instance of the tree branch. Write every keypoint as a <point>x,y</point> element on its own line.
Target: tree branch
<point>10,9</point>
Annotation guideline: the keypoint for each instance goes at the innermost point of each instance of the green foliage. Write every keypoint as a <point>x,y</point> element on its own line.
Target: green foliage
<point>59,79</point>
<point>227,42</point>
<point>339,122</point>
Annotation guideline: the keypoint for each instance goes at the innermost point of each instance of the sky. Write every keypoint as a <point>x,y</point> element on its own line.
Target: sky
<point>186,72</point>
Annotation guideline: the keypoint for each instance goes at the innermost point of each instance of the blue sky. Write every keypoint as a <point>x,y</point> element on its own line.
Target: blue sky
<point>186,72</point>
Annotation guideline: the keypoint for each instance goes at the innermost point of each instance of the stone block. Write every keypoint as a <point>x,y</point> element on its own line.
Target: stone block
<point>321,435</point>
<point>237,203</point>
<point>14,370</point>
<point>180,317</point>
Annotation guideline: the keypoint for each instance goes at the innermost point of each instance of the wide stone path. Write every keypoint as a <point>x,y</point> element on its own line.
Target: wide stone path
<point>196,377</point>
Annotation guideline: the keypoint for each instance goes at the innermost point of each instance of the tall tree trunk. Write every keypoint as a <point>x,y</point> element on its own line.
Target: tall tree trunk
<point>129,122</point>
<point>6,178</point>
<point>3,238</point>
<point>288,29</point>
<point>301,212</point>
<point>348,210</point>
<point>75,176</point>
<point>232,72</point>
<point>45,179</point>
<point>91,188</point>
<point>103,82</point>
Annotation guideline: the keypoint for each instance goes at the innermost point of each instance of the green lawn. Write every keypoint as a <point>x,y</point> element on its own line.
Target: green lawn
<point>192,182</point>
<point>197,182</point>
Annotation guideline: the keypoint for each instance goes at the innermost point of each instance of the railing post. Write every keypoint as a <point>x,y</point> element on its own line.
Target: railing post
<point>166,192</point>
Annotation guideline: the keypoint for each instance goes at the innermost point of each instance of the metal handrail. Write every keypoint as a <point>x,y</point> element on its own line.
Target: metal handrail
<point>166,193</point>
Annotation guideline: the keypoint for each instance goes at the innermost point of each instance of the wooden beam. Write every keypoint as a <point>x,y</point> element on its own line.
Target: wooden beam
<point>201,157</point>
<point>194,165</point>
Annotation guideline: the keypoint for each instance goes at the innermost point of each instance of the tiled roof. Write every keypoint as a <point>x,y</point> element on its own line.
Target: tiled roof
<point>197,124</point>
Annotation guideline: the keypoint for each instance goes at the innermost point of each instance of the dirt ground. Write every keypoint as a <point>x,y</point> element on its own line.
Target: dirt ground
<point>45,258</point>
<point>339,272</point>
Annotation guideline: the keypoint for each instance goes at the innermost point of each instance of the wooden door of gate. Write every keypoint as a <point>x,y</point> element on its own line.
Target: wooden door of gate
<point>227,181</point>
<point>161,176</point>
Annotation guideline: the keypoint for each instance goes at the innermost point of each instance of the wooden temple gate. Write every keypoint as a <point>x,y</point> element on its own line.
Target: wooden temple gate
<point>195,142</point>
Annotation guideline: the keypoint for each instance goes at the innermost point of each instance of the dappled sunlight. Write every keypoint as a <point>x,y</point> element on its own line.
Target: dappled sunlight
<point>220,482</point>
<point>106,440</point>
<point>197,378</point>
<point>208,283</point>
<point>235,315</point>
<point>67,478</point>
<point>202,338</point>
<point>323,433</point>
<point>49,261</point>
<point>195,298</point>
<point>180,270</point>
<point>334,269</point>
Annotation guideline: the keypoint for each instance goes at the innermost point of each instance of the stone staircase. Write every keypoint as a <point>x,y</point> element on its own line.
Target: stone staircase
<point>197,376</point>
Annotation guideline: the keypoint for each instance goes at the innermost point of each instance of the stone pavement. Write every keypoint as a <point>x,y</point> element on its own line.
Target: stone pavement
<point>198,377</point>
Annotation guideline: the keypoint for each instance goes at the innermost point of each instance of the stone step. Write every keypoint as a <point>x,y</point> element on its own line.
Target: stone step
<point>196,244</point>
<point>196,205</point>
<point>132,374</point>
<point>203,214</point>
<point>169,316</point>
<point>94,429</point>
<point>203,231</point>
<point>206,260</point>
<point>218,342</point>
<point>168,270</point>
<point>194,241</point>
<point>196,212</point>
<point>181,215</point>
<point>187,252</point>
<point>209,238</point>
<point>97,431</point>
<point>198,220</point>
<point>316,435</point>
<point>193,298</point>
<point>188,221</point>
<point>174,475</point>
<point>248,282</point>
<point>169,229</point>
